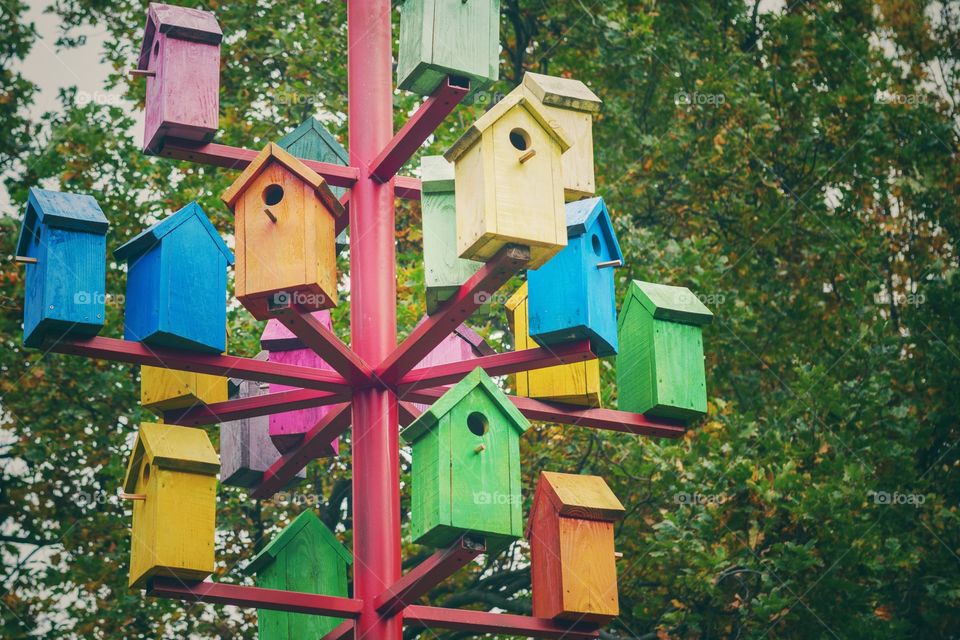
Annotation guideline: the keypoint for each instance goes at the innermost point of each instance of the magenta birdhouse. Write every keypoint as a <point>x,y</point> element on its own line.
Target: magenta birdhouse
<point>180,57</point>
<point>463,344</point>
<point>288,428</point>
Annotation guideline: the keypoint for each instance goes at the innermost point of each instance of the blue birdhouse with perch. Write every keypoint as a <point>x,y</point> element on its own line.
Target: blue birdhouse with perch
<point>572,296</point>
<point>177,283</point>
<point>63,244</point>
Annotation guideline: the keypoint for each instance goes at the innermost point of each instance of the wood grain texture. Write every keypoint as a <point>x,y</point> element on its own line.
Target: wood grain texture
<point>166,389</point>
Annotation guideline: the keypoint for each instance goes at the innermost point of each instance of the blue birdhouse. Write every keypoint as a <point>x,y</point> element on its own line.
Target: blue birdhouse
<point>63,243</point>
<point>177,283</point>
<point>572,295</point>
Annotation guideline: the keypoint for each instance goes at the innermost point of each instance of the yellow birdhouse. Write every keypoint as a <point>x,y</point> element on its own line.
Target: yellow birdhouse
<point>172,481</point>
<point>575,383</point>
<point>509,186</point>
<point>572,105</point>
<point>285,221</point>
<point>165,389</point>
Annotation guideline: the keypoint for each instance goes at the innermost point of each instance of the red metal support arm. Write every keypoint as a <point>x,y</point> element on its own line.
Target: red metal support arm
<point>431,332</point>
<point>283,470</point>
<point>495,365</point>
<point>326,344</point>
<point>428,574</point>
<point>255,597</point>
<point>481,622</point>
<point>607,419</point>
<point>252,407</point>
<point>419,127</point>
<point>232,366</point>
<point>343,631</point>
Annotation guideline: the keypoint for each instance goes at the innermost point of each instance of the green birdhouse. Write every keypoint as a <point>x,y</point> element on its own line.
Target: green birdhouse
<point>466,465</point>
<point>305,557</point>
<point>660,368</point>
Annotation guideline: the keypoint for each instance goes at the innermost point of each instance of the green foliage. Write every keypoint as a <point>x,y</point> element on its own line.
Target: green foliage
<point>796,168</point>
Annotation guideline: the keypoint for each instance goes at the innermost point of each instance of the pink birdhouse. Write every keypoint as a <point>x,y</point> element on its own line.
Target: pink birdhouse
<point>463,344</point>
<point>287,429</point>
<point>180,57</point>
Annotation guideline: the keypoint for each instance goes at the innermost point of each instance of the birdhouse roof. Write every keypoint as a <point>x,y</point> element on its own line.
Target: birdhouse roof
<point>476,381</point>
<point>565,93</point>
<point>182,23</point>
<point>149,238</point>
<point>307,523</point>
<point>276,336</point>
<point>236,382</point>
<point>311,128</point>
<point>500,109</point>
<point>169,446</point>
<point>664,302</point>
<point>576,496</point>
<point>275,153</point>
<point>75,211</point>
<point>480,346</point>
<point>436,174</point>
<point>584,214</point>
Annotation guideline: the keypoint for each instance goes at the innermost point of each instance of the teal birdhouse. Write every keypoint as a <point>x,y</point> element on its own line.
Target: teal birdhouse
<point>660,369</point>
<point>308,558</point>
<point>440,38</point>
<point>466,465</point>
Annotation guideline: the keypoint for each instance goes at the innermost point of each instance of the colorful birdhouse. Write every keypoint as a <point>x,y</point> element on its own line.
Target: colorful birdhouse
<point>285,227</point>
<point>463,343</point>
<point>660,368</point>
<point>246,450</point>
<point>312,141</point>
<point>466,465</point>
<point>288,428</point>
<point>63,244</point>
<point>439,38</point>
<point>168,304</point>
<point>572,557</point>
<point>572,296</point>
<point>165,389</point>
<point>443,270</point>
<point>575,383</point>
<point>509,182</point>
<point>172,481</point>
<point>572,105</point>
<point>305,557</point>
<point>180,56</point>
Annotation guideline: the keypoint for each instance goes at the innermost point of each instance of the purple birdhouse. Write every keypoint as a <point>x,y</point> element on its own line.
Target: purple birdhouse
<point>462,344</point>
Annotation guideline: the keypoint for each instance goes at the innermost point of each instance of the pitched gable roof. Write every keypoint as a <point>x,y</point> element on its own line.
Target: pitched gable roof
<point>311,128</point>
<point>75,211</point>
<point>306,523</point>
<point>277,337</point>
<point>583,214</point>
<point>565,93</point>
<point>274,153</point>
<point>182,23</point>
<point>149,238</point>
<point>500,109</point>
<point>169,446</point>
<point>664,302</point>
<point>475,381</point>
<point>575,496</point>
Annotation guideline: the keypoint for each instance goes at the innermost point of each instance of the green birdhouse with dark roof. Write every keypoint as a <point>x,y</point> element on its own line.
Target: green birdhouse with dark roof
<point>466,465</point>
<point>660,368</point>
<point>308,558</point>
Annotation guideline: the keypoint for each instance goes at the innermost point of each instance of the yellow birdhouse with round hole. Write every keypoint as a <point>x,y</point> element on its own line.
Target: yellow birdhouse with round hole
<point>509,184</point>
<point>171,481</point>
<point>285,233</point>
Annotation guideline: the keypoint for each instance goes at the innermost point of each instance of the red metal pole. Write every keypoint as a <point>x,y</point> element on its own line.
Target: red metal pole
<point>373,313</point>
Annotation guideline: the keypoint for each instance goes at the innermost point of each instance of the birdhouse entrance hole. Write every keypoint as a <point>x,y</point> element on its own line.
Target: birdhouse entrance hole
<point>477,423</point>
<point>156,48</point>
<point>272,195</point>
<point>520,139</point>
<point>146,471</point>
<point>595,241</point>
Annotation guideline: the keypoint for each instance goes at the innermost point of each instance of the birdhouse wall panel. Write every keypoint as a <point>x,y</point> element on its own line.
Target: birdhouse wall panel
<point>430,494</point>
<point>474,197</point>
<point>145,528</point>
<point>165,389</point>
<point>287,428</point>
<point>545,572</point>
<point>588,569</point>
<point>636,360</point>
<point>443,270</point>
<point>577,163</point>
<point>141,315</point>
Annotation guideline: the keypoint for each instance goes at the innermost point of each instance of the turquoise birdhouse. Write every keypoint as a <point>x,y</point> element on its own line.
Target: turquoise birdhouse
<point>572,296</point>
<point>63,244</point>
<point>177,283</point>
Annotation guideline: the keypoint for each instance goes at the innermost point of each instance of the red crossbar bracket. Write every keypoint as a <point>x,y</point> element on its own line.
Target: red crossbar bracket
<point>495,365</point>
<point>407,188</point>
<point>221,155</point>
<point>419,127</point>
<point>315,444</point>
<point>474,292</point>
<point>606,419</point>
<point>408,412</point>
<point>481,622</point>
<point>255,597</point>
<point>326,344</point>
<point>343,631</point>
<point>252,407</point>
<point>428,574</point>
<point>227,366</point>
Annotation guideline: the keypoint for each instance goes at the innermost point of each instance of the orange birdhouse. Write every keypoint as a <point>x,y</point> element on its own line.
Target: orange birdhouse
<point>573,562</point>
<point>285,220</point>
